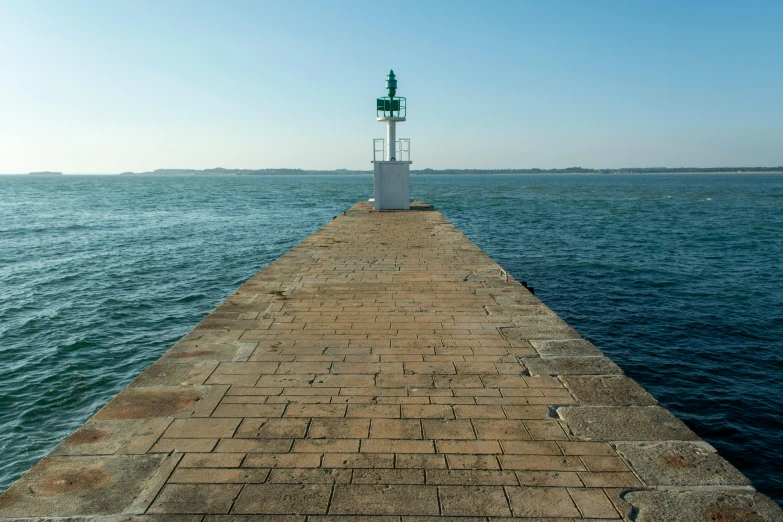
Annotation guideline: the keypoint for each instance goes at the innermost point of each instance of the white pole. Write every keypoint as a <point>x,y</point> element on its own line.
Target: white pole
<point>391,141</point>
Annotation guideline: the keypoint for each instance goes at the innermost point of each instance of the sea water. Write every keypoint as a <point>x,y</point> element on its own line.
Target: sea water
<point>678,278</point>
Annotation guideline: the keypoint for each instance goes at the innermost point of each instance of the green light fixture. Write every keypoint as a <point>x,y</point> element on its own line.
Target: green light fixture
<point>391,84</point>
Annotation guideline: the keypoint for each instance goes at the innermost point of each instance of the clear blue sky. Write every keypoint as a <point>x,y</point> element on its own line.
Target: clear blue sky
<point>108,86</point>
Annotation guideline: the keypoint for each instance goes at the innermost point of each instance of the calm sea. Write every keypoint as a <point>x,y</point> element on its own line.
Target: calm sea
<point>678,278</point>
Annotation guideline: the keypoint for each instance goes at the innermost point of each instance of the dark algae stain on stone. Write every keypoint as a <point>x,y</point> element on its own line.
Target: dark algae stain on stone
<point>146,403</point>
<point>678,461</point>
<point>72,481</point>
<point>737,505</point>
<point>83,485</point>
<point>685,463</point>
<point>87,436</point>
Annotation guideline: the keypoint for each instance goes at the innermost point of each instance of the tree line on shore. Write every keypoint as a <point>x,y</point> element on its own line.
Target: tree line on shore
<point>568,170</point>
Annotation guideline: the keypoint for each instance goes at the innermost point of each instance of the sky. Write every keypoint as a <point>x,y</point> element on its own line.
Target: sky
<point>110,86</point>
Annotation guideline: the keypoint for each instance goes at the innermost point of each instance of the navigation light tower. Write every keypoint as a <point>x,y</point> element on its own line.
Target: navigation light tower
<point>392,171</point>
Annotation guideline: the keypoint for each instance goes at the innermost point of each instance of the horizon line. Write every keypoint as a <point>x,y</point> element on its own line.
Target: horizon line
<point>506,170</point>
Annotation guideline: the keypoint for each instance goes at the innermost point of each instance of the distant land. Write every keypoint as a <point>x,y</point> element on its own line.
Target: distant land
<point>45,173</point>
<point>343,172</point>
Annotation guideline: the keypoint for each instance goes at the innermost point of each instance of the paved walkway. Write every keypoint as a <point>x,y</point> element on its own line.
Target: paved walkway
<point>385,366</point>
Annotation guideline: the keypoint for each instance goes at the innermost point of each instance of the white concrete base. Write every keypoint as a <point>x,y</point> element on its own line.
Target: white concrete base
<point>392,191</point>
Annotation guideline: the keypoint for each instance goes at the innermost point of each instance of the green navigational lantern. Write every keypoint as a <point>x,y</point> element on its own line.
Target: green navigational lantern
<point>391,84</point>
<point>391,106</point>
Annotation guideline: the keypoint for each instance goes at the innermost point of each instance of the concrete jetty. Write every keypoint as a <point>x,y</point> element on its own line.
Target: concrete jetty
<point>385,369</point>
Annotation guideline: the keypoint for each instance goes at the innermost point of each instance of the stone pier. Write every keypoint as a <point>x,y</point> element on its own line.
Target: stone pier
<point>386,367</point>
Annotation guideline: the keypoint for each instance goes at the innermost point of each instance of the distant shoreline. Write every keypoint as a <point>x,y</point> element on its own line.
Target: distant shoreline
<point>436,172</point>
<point>568,170</point>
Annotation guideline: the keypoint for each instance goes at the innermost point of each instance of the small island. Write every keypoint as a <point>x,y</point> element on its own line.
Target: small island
<point>45,173</point>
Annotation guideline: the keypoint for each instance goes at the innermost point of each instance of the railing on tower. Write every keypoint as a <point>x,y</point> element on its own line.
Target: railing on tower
<point>403,149</point>
<point>378,149</point>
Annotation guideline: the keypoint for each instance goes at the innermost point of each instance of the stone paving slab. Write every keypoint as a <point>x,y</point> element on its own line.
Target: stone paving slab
<point>384,370</point>
<point>607,391</point>
<point>95,485</point>
<point>575,348</point>
<point>680,464</point>
<point>572,366</point>
<point>629,423</point>
<point>703,505</point>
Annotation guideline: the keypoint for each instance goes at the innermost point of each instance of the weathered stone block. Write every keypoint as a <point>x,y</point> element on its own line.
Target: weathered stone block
<point>530,333</point>
<point>474,501</point>
<point>385,500</point>
<point>290,499</point>
<point>621,423</point>
<point>680,464</point>
<point>572,366</point>
<point>68,486</point>
<point>740,505</point>
<point>541,502</point>
<point>574,347</point>
<point>607,391</point>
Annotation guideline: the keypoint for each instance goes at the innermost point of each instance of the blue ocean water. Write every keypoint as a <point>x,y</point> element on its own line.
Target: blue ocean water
<point>678,278</point>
